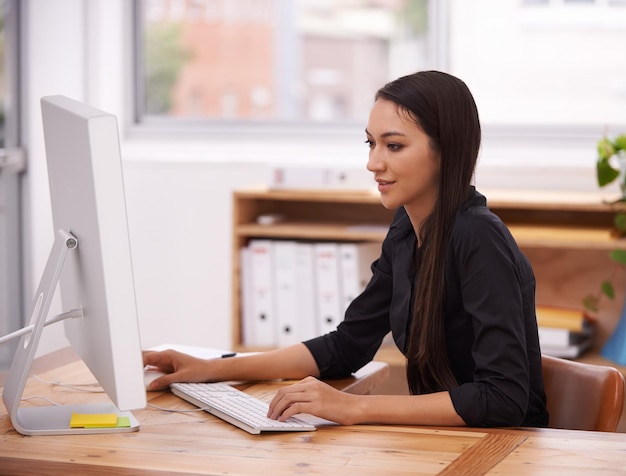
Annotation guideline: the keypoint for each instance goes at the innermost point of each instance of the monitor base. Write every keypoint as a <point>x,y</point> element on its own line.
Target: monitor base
<point>55,420</point>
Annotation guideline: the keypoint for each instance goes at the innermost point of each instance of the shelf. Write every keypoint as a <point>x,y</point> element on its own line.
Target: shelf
<point>560,201</point>
<point>313,231</point>
<point>566,237</point>
<point>313,195</point>
<point>526,236</point>
<point>560,220</point>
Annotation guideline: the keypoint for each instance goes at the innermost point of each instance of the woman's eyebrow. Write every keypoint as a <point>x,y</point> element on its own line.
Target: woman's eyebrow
<point>388,134</point>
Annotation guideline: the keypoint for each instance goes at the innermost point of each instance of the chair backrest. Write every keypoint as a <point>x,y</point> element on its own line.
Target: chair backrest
<point>582,396</point>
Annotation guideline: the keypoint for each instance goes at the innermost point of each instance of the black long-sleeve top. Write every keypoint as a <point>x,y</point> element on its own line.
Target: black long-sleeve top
<point>490,321</point>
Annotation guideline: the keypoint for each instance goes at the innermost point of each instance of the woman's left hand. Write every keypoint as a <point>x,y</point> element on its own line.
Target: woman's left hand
<point>316,398</point>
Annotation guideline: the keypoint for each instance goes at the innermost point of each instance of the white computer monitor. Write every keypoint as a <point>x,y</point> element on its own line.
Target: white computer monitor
<point>95,276</point>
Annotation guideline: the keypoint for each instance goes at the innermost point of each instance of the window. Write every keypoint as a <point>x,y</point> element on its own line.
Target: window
<point>305,60</point>
<point>10,180</point>
<point>551,63</point>
<point>547,63</point>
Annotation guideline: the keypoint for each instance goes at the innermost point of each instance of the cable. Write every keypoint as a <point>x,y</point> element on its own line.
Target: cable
<point>173,410</point>
<point>24,399</point>
<point>74,386</point>
<point>78,387</point>
<point>74,313</point>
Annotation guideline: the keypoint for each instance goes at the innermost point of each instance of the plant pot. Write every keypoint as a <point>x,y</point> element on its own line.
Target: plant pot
<point>615,347</point>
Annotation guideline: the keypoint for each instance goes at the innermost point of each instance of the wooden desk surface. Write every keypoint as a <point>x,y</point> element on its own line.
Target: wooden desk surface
<point>198,443</point>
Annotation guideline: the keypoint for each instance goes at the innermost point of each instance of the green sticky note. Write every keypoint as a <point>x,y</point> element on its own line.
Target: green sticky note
<point>123,422</point>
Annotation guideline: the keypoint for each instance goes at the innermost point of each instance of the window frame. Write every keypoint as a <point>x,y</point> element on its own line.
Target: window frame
<point>143,123</point>
<point>11,277</point>
<point>526,146</point>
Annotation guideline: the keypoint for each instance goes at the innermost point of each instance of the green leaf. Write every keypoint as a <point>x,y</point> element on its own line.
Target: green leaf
<point>591,303</point>
<point>619,143</point>
<point>607,289</point>
<point>605,149</point>
<point>619,256</point>
<point>620,222</point>
<point>605,172</point>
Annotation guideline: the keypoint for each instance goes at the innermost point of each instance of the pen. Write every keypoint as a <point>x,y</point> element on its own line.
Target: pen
<point>229,354</point>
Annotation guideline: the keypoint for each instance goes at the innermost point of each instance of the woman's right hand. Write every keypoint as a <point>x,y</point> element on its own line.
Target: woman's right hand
<point>177,366</point>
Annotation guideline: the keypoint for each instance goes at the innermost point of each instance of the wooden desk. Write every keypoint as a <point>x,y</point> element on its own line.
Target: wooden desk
<point>198,443</point>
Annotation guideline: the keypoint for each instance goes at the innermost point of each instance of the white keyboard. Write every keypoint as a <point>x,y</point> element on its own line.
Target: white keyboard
<point>236,407</point>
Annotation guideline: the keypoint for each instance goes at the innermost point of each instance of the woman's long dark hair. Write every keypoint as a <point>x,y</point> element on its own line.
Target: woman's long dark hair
<point>443,107</point>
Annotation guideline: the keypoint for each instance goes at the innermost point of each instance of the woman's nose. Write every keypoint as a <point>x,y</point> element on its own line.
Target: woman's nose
<point>374,164</point>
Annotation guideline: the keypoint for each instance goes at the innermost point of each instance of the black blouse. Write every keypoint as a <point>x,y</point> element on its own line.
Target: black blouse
<point>491,326</point>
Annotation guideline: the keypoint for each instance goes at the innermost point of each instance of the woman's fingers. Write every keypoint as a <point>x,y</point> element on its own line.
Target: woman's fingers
<point>176,366</point>
<point>313,397</point>
<point>291,400</point>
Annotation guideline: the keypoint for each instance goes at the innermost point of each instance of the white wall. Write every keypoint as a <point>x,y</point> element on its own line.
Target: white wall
<point>179,193</point>
<point>54,61</point>
<point>180,220</point>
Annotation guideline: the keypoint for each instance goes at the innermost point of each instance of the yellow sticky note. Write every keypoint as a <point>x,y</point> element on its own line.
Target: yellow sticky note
<point>93,420</point>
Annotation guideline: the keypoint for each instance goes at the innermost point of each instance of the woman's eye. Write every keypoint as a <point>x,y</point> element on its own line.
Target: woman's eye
<point>369,143</point>
<point>394,147</point>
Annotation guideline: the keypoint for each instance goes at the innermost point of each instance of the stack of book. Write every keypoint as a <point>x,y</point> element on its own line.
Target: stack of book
<point>565,333</point>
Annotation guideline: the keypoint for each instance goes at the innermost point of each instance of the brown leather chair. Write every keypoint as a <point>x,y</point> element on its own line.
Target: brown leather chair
<point>582,396</point>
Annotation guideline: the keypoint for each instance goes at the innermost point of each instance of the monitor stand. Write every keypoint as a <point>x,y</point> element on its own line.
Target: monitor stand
<point>50,420</point>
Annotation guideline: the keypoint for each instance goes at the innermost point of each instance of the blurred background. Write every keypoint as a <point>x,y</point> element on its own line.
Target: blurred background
<point>212,94</point>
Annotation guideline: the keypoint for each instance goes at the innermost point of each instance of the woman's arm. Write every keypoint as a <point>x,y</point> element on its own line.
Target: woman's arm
<point>307,396</point>
<point>497,295</point>
<point>315,397</point>
<point>293,362</point>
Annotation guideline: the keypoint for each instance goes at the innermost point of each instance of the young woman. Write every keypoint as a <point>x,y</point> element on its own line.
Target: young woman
<point>451,285</point>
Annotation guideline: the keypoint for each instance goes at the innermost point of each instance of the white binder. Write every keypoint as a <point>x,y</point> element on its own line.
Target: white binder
<point>305,291</point>
<point>284,263</point>
<point>355,260</point>
<point>327,285</point>
<point>245,296</point>
<point>262,312</point>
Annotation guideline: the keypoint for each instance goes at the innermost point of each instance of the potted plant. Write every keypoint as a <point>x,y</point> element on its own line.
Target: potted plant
<point>611,166</point>
<point>611,163</point>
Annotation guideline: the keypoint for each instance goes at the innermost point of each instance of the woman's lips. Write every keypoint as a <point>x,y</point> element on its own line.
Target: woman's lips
<point>384,185</point>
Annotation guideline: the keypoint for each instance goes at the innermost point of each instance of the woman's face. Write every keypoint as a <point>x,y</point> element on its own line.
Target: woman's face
<point>402,161</point>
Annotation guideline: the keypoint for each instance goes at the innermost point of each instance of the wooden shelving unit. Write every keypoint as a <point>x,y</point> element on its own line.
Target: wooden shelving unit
<point>557,231</point>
